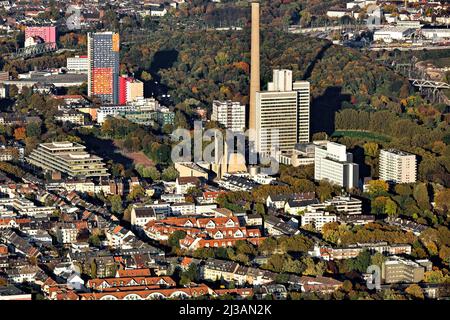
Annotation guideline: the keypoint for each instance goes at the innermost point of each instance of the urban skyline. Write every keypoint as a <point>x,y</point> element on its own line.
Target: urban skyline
<point>225,150</point>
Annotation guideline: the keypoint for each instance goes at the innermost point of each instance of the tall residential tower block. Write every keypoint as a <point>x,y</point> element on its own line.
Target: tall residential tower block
<point>103,75</point>
<point>398,166</point>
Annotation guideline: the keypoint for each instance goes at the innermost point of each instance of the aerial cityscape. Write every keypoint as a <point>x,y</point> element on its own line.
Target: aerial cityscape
<point>225,150</point>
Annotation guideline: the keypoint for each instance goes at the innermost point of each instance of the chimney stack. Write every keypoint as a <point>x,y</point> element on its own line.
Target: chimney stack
<point>255,64</point>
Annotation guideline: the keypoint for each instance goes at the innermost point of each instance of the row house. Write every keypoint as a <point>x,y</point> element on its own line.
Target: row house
<point>8,223</point>
<point>22,274</point>
<point>209,197</point>
<point>20,245</point>
<point>203,232</point>
<point>161,232</point>
<point>352,251</point>
<point>117,283</point>
<point>105,264</point>
<point>237,292</point>
<point>233,272</point>
<point>317,284</point>
<point>152,294</point>
<point>191,243</point>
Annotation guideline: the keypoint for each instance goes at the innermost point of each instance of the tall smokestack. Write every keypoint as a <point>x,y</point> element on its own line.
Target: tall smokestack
<point>255,64</point>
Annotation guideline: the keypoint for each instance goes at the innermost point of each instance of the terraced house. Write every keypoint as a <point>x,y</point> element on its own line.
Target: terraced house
<point>204,232</point>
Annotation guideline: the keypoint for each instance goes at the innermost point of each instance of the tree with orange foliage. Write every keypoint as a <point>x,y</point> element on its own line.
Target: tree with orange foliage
<point>20,133</point>
<point>244,66</point>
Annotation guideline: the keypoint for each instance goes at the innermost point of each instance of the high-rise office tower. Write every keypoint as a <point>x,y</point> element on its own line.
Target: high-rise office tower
<point>334,164</point>
<point>103,76</point>
<point>303,89</point>
<point>397,166</point>
<point>255,65</point>
<point>282,113</point>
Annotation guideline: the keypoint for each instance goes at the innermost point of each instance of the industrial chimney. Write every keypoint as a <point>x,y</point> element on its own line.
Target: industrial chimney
<point>255,64</point>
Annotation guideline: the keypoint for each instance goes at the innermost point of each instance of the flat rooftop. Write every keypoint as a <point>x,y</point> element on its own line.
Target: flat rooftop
<point>61,145</point>
<point>52,79</point>
<point>398,152</point>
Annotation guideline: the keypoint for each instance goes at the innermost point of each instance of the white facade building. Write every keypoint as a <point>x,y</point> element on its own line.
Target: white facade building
<point>397,166</point>
<point>334,164</point>
<point>282,113</point>
<point>436,34</point>
<point>390,34</point>
<point>230,114</point>
<point>138,105</point>
<point>78,64</point>
<point>343,204</point>
<point>317,219</point>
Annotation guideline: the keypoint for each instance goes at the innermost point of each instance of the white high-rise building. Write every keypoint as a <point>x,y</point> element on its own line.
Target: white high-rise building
<point>282,113</point>
<point>334,164</point>
<point>230,114</point>
<point>304,100</point>
<point>78,64</point>
<point>397,166</point>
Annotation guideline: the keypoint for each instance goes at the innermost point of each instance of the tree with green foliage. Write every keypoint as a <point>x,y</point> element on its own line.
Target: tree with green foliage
<point>377,187</point>
<point>377,259</point>
<point>116,204</point>
<point>390,207</point>
<point>136,193</point>
<point>174,238</point>
<point>420,194</point>
<point>190,275</point>
<point>33,129</point>
<point>94,240</point>
<point>170,174</point>
<point>93,271</point>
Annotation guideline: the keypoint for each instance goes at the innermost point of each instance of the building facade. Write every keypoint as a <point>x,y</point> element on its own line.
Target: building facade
<point>397,166</point>
<point>334,164</point>
<point>47,33</point>
<point>397,270</point>
<point>68,158</point>
<point>317,218</point>
<point>229,114</point>
<point>103,74</point>
<point>78,64</point>
<point>130,89</point>
<point>282,113</point>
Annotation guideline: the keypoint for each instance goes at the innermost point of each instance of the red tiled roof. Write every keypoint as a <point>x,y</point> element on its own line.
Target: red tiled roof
<point>134,273</point>
<point>199,290</point>
<point>243,292</point>
<point>119,282</point>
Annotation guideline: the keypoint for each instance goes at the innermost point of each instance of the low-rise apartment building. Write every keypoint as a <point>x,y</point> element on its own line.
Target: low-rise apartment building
<point>397,270</point>
<point>352,251</point>
<point>69,158</point>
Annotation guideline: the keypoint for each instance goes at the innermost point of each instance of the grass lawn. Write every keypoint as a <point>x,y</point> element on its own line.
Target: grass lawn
<point>363,135</point>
